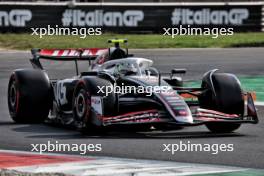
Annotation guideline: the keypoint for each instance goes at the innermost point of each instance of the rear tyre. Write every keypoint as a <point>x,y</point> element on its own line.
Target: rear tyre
<point>228,98</point>
<point>82,110</point>
<point>29,96</point>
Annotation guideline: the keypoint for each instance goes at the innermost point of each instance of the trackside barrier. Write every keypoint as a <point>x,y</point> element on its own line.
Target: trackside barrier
<point>131,17</point>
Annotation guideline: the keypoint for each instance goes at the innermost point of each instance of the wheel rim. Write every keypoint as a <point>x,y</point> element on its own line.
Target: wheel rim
<point>80,105</point>
<point>13,95</point>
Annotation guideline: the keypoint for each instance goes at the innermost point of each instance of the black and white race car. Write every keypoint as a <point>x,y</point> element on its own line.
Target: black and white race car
<point>121,90</point>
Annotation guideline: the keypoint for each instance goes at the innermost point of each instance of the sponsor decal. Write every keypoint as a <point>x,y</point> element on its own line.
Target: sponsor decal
<point>128,18</point>
<point>96,103</point>
<point>72,52</point>
<point>15,18</point>
<point>206,16</point>
<point>140,116</point>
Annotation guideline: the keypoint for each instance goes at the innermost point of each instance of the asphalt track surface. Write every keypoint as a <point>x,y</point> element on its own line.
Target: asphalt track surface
<point>248,140</point>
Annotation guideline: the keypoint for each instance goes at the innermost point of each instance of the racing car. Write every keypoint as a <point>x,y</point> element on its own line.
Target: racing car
<point>84,100</point>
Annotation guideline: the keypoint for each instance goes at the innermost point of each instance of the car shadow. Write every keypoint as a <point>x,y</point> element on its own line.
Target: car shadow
<point>7,123</point>
<point>58,132</point>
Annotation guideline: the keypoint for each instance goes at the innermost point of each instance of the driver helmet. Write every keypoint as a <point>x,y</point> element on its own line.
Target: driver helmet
<point>116,53</point>
<point>126,69</point>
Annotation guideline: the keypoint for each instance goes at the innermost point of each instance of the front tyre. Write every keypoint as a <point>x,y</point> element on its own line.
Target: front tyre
<point>227,98</point>
<point>222,127</point>
<point>82,109</point>
<point>85,117</point>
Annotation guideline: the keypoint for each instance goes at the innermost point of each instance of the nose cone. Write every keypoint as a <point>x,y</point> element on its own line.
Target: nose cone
<point>184,119</point>
<point>177,107</point>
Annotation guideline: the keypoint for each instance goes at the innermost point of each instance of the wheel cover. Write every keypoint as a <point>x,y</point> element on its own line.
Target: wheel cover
<point>13,95</point>
<point>80,105</point>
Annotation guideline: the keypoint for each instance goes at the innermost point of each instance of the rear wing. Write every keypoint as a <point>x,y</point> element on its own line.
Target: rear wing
<point>65,55</point>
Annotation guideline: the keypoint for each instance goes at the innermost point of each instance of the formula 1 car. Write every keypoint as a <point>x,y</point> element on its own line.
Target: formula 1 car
<point>120,90</point>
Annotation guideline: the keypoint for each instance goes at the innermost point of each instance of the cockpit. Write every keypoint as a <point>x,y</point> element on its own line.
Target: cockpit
<point>126,66</point>
<point>117,61</point>
<point>110,54</point>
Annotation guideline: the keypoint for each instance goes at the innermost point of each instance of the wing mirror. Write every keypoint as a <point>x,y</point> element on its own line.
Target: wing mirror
<point>152,71</point>
<point>178,71</point>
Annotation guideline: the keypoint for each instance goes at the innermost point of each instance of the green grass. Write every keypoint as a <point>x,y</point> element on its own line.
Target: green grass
<point>249,83</point>
<point>27,41</point>
<point>254,83</point>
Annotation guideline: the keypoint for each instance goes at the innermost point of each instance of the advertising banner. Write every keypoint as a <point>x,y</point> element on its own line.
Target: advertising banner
<point>130,18</point>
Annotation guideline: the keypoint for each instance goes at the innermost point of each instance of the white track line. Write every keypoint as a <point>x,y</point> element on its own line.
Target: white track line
<point>259,103</point>
<point>117,166</point>
<point>114,166</point>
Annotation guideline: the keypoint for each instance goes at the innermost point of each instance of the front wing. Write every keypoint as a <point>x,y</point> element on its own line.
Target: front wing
<point>200,117</point>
